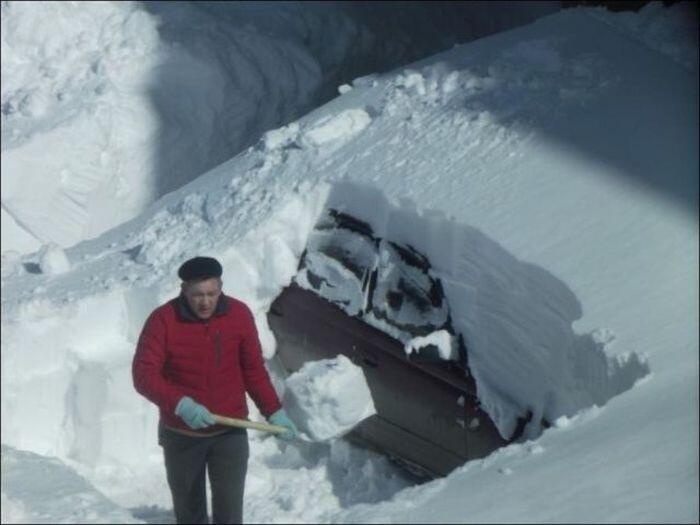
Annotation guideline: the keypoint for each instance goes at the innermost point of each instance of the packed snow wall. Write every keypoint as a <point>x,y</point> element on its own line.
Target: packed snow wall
<point>108,106</point>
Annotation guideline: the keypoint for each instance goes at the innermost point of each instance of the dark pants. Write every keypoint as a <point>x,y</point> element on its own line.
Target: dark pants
<point>186,459</point>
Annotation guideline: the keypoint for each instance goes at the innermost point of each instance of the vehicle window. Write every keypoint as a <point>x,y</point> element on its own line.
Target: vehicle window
<point>406,296</point>
<point>340,255</point>
<point>386,284</point>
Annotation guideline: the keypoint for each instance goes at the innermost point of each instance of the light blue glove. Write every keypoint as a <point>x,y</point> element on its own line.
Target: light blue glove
<point>194,414</point>
<point>280,418</point>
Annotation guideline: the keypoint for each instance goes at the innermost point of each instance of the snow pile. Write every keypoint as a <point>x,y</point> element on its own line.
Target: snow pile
<point>11,263</point>
<point>293,484</point>
<point>37,489</point>
<point>119,106</point>
<point>107,106</point>
<point>17,237</point>
<point>88,325</point>
<point>90,332</point>
<point>516,319</point>
<point>555,216</point>
<point>77,118</point>
<point>328,398</point>
<point>671,30</point>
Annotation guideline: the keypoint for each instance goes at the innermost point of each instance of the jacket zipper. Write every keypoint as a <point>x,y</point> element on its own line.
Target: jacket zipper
<point>207,336</point>
<point>217,343</point>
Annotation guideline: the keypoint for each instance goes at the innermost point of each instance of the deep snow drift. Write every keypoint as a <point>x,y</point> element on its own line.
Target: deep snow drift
<point>516,318</point>
<point>107,106</point>
<point>550,174</point>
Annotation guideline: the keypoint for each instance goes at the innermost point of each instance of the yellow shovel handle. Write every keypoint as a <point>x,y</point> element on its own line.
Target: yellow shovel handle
<point>244,423</point>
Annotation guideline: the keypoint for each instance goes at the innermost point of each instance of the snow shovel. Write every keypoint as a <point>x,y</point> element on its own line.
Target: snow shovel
<point>265,427</point>
<point>314,399</point>
<point>244,423</point>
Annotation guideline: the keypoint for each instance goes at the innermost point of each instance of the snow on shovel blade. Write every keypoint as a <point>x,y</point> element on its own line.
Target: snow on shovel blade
<point>327,398</point>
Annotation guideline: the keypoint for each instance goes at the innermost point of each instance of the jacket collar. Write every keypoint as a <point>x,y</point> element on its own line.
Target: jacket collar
<point>186,314</point>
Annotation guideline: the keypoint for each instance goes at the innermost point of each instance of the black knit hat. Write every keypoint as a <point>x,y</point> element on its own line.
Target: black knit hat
<point>200,268</point>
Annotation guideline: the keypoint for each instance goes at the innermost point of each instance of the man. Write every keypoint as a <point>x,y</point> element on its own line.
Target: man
<point>198,355</point>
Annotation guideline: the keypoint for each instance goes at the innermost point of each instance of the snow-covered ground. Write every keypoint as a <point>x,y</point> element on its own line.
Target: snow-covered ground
<point>107,106</point>
<point>549,173</point>
<point>37,489</point>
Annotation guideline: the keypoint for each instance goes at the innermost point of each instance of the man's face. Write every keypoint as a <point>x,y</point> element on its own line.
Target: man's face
<point>202,296</point>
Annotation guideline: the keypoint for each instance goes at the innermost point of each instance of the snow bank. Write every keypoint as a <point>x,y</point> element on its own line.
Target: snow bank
<point>77,118</point>
<point>37,489</point>
<point>90,335</point>
<point>19,238</point>
<point>536,211</point>
<point>671,30</point>
<point>328,398</point>
<point>107,106</point>
<point>118,106</point>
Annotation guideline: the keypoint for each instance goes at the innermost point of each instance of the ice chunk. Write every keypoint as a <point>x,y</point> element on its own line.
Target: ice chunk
<point>281,137</point>
<point>53,260</point>
<point>327,398</point>
<point>344,125</point>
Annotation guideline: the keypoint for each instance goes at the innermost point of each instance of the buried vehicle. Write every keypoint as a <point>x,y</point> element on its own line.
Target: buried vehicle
<point>378,303</point>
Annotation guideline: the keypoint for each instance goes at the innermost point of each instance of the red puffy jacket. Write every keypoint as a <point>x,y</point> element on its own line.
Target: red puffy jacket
<point>213,361</point>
